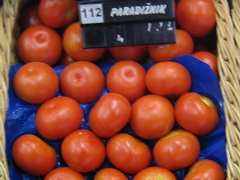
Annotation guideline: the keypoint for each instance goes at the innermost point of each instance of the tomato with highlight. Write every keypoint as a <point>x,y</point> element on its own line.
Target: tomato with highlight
<point>109,115</point>
<point>58,14</point>
<point>40,43</point>
<point>128,79</point>
<point>152,116</point>
<point>169,79</point>
<point>197,17</point>
<point>83,81</point>
<point>58,117</point>
<point>35,82</point>
<point>196,113</point>
<point>178,149</point>
<point>128,153</point>
<point>33,155</point>
<point>83,151</point>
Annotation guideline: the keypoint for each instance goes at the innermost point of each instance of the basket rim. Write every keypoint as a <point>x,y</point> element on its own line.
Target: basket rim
<point>228,51</point>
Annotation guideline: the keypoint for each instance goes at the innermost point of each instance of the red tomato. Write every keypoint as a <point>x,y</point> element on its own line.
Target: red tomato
<point>205,169</point>
<point>110,174</point>
<point>33,155</point>
<point>197,17</point>
<point>57,14</point>
<point>109,115</point>
<point>35,82</point>
<point>134,53</point>
<point>83,81</point>
<point>168,79</point>
<point>128,153</point>
<point>29,16</point>
<point>83,151</point>
<point>209,58</point>
<point>128,79</point>
<point>58,117</point>
<point>165,52</point>
<point>152,117</point>
<point>154,173</point>
<point>176,150</point>
<point>72,44</point>
<point>196,113</point>
<point>64,173</point>
<point>40,44</point>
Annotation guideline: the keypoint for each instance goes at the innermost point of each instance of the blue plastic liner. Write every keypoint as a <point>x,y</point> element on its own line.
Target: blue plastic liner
<point>21,118</point>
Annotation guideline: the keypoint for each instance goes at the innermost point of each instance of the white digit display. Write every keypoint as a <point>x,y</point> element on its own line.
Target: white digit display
<point>91,13</point>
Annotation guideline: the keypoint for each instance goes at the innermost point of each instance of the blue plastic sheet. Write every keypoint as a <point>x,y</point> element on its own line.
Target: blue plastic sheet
<point>21,118</point>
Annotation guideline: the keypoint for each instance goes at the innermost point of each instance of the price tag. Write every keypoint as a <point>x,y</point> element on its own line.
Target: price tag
<point>91,13</point>
<point>109,23</point>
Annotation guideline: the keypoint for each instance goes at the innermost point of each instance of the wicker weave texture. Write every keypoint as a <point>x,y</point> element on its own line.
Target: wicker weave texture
<point>228,52</point>
<point>229,61</point>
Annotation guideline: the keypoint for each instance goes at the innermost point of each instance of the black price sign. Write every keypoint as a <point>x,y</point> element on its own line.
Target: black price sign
<point>109,23</point>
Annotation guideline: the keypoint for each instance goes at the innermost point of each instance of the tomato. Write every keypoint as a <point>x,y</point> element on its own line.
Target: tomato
<point>29,16</point>
<point>83,81</point>
<point>134,53</point>
<point>128,79</point>
<point>152,116</point>
<point>110,173</point>
<point>39,44</point>
<point>109,115</point>
<point>209,58</point>
<point>58,117</point>
<point>168,79</point>
<point>128,153</point>
<point>155,173</point>
<point>57,14</point>
<point>64,173</point>
<point>83,151</point>
<point>197,17</point>
<point>33,155</point>
<point>73,45</point>
<point>164,52</point>
<point>196,113</point>
<point>35,82</point>
<point>205,169</point>
<point>65,60</point>
<point>176,150</point>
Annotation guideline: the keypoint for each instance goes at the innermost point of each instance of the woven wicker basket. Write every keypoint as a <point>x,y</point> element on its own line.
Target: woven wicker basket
<point>228,51</point>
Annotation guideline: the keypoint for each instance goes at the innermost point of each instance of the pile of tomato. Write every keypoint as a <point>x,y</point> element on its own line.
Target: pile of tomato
<point>112,113</point>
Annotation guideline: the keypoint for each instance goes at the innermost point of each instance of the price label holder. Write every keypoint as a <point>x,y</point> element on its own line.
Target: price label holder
<point>110,23</point>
